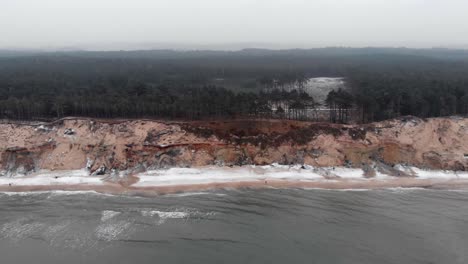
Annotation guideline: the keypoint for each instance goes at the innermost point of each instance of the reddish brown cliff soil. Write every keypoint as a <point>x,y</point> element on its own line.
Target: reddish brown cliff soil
<point>101,146</point>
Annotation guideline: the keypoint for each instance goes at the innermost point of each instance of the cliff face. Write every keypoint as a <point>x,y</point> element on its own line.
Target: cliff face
<point>103,146</point>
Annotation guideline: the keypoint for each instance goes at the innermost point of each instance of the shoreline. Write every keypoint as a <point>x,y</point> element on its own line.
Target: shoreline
<point>181,180</point>
<point>115,189</point>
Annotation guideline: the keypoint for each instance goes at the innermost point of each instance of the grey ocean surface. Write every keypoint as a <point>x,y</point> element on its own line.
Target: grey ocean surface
<point>237,226</point>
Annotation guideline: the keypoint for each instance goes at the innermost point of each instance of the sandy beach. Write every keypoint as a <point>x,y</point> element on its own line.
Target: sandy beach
<point>178,180</point>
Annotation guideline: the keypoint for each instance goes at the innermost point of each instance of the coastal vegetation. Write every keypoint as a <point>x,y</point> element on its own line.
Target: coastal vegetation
<point>193,85</point>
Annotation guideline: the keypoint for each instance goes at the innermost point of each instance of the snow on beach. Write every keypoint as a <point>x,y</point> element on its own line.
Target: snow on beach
<point>206,175</point>
<point>184,176</point>
<point>71,177</point>
<point>219,175</point>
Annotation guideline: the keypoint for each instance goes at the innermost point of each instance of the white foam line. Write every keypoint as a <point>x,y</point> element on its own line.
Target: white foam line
<point>337,190</point>
<point>108,214</point>
<point>54,193</point>
<point>193,194</point>
<point>407,189</point>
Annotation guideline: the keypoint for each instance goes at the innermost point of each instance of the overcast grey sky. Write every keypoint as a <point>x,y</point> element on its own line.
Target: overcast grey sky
<point>109,24</point>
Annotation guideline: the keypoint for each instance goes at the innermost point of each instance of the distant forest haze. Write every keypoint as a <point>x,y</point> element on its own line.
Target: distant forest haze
<point>380,84</point>
<point>155,24</point>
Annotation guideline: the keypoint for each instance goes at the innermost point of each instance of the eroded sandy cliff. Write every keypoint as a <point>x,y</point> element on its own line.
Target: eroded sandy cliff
<point>138,145</point>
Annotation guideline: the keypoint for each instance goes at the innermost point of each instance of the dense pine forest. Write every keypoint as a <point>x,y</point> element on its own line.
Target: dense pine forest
<point>189,85</point>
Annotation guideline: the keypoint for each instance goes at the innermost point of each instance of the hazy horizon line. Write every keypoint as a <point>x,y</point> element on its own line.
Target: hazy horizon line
<point>235,46</point>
